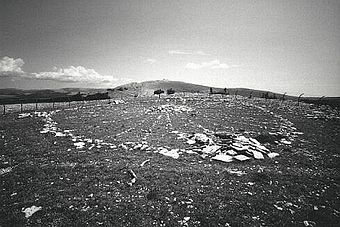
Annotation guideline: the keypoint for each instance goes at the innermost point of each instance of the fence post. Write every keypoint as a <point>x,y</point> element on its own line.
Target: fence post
<point>21,107</point>
<point>251,94</point>
<point>299,98</point>
<point>4,109</point>
<point>320,100</point>
<point>283,97</point>
<point>36,104</point>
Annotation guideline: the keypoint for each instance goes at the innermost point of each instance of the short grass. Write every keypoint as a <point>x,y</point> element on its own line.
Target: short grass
<point>82,187</point>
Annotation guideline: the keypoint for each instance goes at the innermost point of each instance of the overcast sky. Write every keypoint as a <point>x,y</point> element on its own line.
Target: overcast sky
<point>282,46</point>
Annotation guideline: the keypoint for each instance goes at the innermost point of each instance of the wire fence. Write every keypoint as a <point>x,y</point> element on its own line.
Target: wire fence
<point>22,105</point>
<point>31,104</point>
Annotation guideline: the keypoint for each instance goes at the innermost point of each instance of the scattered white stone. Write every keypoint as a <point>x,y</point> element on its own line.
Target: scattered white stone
<point>138,146</point>
<point>172,153</point>
<point>30,211</point>
<point>309,223</point>
<point>23,115</point>
<point>237,172</point>
<point>59,134</point>
<point>241,157</point>
<point>254,141</point>
<point>277,207</point>
<point>298,133</point>
<point>284,141</point>
<point>272,155</point>
<point>118,101</point>
<point>242,139</point>
<point>143,163</point>
<point>186,219</point>
<point>223,158</point>
<point>239,147</point>
<point>144,147</point>
<point>5,170</point>
<point>262,148</point>
<point>201,138</point>
<point>123,146</point>
<point>79,145</point>
<point>190,152</point>
<point>134,177</point>
<point>211,149</point>
<point>88,140</point>
<point>231,152</point>
<point>191,141</point>
<point>257,154</point>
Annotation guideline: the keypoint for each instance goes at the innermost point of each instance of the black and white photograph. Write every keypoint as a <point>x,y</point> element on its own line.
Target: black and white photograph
<point>169,113</point>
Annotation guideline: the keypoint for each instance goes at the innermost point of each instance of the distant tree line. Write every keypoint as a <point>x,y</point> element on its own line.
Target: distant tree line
<point>160,91</point>
<point>170,91</point>
<point>221,92</point>
<point>68,98</point>
<point>97,96</point>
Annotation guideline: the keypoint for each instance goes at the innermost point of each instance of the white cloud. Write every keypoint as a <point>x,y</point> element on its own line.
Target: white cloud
<point>215,64</point>
<point>151,60</point>
<point>79,74</point>
<point>72,74</point>
<point>179,52</point>
<point>10,66</point>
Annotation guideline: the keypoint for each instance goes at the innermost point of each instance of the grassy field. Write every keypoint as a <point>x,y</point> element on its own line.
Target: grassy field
<point>78,164</point>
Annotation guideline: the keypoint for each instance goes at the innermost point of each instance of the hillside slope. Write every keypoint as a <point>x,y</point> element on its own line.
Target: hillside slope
<point>147,88</point>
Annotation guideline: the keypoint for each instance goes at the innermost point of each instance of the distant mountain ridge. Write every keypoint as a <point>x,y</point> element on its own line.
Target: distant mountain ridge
<point>147,88</point>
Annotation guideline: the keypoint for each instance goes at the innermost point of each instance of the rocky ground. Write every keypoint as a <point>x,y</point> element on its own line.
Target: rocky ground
<point>179,161</point>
